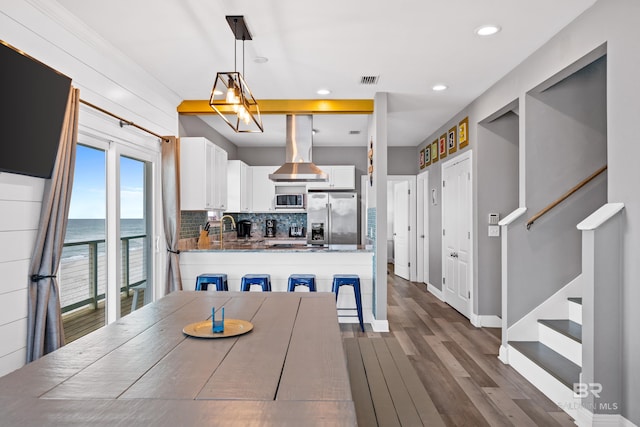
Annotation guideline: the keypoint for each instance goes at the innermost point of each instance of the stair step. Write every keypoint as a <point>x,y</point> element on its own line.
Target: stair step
<point>566,327</point>
<point>555,364</point>
<point>575,309</point>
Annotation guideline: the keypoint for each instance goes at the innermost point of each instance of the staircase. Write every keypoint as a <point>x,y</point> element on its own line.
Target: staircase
<point>553,362</point>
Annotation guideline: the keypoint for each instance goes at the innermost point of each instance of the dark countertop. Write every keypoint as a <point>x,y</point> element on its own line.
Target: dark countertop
<point>272,245</point>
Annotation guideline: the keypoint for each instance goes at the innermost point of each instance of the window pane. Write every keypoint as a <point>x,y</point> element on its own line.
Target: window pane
<point>82,274</point>
<point>133,233</point>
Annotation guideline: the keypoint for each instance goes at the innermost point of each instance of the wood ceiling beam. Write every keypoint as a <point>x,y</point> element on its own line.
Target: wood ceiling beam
<point>289,106</point>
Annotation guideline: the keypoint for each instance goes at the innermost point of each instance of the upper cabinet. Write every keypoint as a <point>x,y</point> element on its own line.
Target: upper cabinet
<point>263,189</point>
<point>239,186</point>
<point>203,175</point>
<point>340,178</point>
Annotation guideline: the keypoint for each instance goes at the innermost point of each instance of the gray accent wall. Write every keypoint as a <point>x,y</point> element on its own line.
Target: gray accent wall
<point>402,161</point>
<point>566,142</point>
<point>547,257</point>
<point>435,227</point>
<point>194,126</point>
<point>497,192</point>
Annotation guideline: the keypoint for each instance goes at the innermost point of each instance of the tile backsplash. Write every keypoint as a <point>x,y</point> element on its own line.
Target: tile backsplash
<point>283,222</point>
<point>192,221</point>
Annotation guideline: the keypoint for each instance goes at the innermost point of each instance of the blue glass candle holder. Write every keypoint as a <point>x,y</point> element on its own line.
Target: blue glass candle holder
<point>217,325</point>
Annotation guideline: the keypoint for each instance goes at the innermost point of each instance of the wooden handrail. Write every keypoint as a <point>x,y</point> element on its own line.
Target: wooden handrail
<point>565,196</point>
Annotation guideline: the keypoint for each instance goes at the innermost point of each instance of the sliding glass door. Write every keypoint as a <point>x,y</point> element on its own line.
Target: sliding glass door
<point>134,231</point>
<point>107,267</point>
<point>82,273</point>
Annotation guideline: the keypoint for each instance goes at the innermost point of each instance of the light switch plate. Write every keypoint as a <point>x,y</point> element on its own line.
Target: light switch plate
<point>494,231</point>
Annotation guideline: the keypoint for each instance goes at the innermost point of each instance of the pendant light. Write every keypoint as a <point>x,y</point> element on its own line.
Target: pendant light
<point>231,97</point>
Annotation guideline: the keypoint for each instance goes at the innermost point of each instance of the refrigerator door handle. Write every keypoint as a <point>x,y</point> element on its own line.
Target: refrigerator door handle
<point>328,223</point>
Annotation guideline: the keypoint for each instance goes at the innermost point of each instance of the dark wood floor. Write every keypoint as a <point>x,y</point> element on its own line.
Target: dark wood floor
<point>458,363</point>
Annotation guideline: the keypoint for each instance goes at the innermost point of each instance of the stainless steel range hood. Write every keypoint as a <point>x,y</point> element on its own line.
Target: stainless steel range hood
<point>298,166</point>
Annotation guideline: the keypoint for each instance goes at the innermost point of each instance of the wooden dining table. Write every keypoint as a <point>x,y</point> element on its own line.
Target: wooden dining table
<point>289,370</point>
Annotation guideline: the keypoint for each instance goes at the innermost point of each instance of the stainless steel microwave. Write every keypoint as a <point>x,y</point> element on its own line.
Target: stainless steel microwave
<point>290,201</point>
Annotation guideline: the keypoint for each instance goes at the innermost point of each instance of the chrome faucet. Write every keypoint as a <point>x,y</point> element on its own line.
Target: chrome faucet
<point>233,226</point>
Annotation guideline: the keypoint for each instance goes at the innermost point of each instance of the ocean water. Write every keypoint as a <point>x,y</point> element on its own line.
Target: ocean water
<point>76,266</point>
<point>81,230</point>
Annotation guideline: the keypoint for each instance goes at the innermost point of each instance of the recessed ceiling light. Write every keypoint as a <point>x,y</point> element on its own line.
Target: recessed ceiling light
<point>439,87</point>
<point>487,30</point>
<point>323,92</point>
<point>217,92</point>
<point>260,60</point>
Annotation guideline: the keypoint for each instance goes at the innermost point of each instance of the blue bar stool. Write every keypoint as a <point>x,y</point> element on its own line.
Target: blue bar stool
<point>263,280</point>
<point>219,279</point>
<point>302,280</point>
<point>351,280</point>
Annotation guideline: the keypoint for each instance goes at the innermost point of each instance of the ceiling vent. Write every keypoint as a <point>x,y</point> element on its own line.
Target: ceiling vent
<point>354,132</point>
<point>369,80</point>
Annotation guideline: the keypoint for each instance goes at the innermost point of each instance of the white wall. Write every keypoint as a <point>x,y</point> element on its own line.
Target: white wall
<point>20,201</point>
<point>106,78</point>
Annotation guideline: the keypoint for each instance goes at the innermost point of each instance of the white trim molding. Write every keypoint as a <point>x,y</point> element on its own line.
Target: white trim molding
<point>435,291</point>
<point>486,321</point>
<point>503,354</point>
<point>380,325</point>
<point>586,418</point>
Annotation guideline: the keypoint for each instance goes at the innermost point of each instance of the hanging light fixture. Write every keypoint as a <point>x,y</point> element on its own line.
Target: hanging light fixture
<point>231,97</point>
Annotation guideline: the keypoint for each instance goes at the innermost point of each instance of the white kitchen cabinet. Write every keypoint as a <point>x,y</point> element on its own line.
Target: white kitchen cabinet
<point>203,175</point>
<point>263,189</point>
<point>239,185</point>
<point>220,179</point>
<point>340,178</point>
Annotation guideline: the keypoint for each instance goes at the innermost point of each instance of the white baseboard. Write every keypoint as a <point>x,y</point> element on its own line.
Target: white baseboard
<point>487,321</point>
<point>380,325</point>
<point>586,418</point>
<point>376,325</point>
<point>503,354</point>
<point>475,320</point>
<point>435,291</point>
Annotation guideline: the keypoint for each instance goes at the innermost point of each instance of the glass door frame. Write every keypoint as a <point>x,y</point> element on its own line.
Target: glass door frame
<point>114,149</point>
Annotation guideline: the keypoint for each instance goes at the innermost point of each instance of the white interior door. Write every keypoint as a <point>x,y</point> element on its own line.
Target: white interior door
<point>456,239</point>
<point>401,229</point>
<point>423,228</point>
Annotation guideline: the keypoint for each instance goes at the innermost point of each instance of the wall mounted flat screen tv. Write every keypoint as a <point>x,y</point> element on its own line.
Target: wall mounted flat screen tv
<point>33,99</point>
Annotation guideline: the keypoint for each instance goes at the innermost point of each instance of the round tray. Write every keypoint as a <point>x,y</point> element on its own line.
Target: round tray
<point>232,327</point>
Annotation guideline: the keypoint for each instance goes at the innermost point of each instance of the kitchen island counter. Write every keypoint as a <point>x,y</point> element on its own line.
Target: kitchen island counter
<point>285,245</point>
<point>260,247</point>
<point>280,264</point>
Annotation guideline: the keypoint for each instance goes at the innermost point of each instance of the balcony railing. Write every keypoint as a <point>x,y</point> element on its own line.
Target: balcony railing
<point>82,273</point>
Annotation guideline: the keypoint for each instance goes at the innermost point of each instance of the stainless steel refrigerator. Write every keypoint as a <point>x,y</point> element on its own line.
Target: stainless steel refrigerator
<point>332,219</point>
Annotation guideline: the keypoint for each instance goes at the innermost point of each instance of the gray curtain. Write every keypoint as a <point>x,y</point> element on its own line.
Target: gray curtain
<point>44,320</point>
<point>171,210</point>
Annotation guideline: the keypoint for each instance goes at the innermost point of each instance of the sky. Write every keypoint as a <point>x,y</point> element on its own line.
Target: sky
<point>88,198</point>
